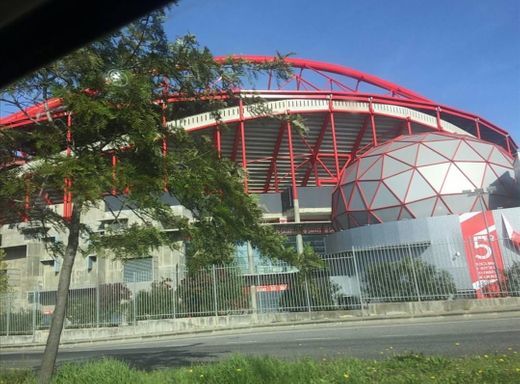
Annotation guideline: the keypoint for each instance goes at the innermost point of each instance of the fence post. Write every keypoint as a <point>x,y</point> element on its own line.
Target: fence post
<point>97,294</point>
<point>361,302</point>
<point>174,292</point>
<point>417,291</point>
<point>261,309</point>
<point>36,301</point>
<point>307,297</point>
<point>215,303</point>
<point>176,287</point>
<point>252,271</point>
<point>135,299</point>
<point>97,304</point>
<point>8,325</point>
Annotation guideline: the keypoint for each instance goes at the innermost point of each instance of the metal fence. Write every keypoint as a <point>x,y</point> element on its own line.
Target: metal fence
<point>348,281</point>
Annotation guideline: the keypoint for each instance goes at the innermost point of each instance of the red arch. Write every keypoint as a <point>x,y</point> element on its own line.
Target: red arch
<point>320,66</point>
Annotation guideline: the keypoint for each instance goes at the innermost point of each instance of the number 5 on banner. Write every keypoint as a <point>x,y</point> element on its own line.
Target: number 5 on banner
<point>480,242</point>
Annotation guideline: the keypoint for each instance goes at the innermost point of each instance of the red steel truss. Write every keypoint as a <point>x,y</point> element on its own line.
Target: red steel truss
<point>345,113</point>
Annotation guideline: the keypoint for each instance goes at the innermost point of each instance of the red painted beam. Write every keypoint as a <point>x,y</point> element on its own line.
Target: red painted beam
<point>373,123</point>
<point>217,140</point>
<point>316,151</point>
<point>334,140</point>
<point>243,142</point>
<point>274,157</point>
<point>360,135</point>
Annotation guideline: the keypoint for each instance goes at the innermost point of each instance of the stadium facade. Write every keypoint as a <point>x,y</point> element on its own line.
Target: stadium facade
<point>376,165</point>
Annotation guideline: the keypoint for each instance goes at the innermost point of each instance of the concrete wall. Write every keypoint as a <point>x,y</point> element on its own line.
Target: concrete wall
<point>442,235</point>
<point>31,267</point>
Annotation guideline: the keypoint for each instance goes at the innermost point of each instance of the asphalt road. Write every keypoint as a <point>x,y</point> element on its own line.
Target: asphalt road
<point>454,335</point>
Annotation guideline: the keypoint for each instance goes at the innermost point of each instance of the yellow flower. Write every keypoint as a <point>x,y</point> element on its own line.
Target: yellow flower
<point>486,356</point>
<point>201,375</point>
<point>432,377</point>
<point>501,360</point>
<point>238,369</point>
<point>345,375</point>
<point>190,370</point>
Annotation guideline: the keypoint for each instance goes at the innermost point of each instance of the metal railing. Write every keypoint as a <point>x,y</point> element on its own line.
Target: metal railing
<point>351,280</point>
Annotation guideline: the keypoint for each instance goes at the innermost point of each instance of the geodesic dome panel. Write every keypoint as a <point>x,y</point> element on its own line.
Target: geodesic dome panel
<point>424,175</point>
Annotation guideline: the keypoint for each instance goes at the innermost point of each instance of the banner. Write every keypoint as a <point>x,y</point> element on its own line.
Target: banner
<point>512,235</point>
<point>482,252</point>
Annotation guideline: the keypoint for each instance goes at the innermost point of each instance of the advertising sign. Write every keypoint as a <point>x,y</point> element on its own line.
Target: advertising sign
<point>271,288</point>
<point>290,229</point>
<point>482,252</point>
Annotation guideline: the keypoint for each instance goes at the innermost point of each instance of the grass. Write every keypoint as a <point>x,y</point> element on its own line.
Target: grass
<point>406,369</point>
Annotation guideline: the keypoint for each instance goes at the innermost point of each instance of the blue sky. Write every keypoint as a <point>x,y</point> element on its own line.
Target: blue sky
<point>463,53</point>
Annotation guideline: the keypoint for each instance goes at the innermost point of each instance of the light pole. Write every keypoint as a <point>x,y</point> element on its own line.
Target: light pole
<point>480,192</point>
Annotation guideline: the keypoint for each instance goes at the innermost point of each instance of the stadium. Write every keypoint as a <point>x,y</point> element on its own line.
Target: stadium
<point>366,166</point>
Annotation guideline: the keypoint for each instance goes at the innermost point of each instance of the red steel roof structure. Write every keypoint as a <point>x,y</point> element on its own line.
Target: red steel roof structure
<point>345,112</point>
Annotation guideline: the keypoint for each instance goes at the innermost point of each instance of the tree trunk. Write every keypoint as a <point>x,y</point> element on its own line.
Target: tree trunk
<point>53,340</point>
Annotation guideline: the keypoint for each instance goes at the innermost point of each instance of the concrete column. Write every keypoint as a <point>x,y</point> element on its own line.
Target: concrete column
<point>299,237</point>
<point>294,187</point>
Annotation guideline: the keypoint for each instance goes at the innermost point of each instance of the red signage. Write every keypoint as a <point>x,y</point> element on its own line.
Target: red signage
<point>482,252</point>
<point>271,288</point>
<point>512,235</point>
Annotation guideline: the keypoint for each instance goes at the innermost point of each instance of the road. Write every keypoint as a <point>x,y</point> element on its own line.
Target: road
<point>454,335</point>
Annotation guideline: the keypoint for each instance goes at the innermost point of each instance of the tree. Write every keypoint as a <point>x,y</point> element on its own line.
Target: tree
<point>114,95</point>
<point>405,279</point>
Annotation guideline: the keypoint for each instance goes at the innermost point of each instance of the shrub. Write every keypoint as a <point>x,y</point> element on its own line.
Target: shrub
<point>403,280</point>
<point>196,292</point>
<point>82,307</point>
<point>322,293</point>
<point>512,279</point>
<point>156,303</point>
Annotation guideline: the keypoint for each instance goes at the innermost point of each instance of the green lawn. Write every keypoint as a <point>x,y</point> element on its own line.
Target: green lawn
<point>499,369</point>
